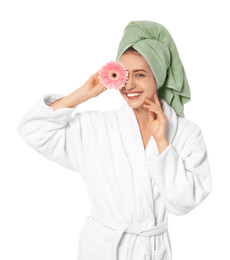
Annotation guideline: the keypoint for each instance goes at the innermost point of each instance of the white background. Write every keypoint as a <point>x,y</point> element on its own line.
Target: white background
<point>55,46</point>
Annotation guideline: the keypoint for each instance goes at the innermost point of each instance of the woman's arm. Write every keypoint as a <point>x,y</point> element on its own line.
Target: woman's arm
<point>49,128</point>
<point>72,100</point>
<point>183,183</point>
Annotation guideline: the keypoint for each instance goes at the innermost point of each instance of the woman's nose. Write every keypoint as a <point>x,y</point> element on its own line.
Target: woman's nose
<point>130,84</point>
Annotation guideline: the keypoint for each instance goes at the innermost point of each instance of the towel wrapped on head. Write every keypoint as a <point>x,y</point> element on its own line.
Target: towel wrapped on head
<point>153,41</point>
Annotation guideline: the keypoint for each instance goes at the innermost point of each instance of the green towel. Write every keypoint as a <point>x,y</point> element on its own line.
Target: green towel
<point>153,41</point>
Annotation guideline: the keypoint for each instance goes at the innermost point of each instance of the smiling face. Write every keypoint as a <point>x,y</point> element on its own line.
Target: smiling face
<point>141,80</point>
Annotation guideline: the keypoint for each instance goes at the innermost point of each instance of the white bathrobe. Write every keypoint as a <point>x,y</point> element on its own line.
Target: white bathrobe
<point>132,189</point>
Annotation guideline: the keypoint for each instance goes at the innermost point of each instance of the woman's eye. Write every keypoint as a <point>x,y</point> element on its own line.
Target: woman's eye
<point>141,75</point>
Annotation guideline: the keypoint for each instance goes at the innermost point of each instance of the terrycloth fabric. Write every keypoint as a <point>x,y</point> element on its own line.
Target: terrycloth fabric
<point>153,41</point>
<point>132,188</point>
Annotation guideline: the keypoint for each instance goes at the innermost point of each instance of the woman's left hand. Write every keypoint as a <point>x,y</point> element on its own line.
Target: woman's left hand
<point>157,119</point>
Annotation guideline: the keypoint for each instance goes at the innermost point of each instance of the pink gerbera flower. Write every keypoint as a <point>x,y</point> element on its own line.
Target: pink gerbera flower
<point>113,75</point>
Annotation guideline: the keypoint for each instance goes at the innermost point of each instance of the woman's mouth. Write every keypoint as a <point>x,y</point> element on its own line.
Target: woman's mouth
<point>132,96</point>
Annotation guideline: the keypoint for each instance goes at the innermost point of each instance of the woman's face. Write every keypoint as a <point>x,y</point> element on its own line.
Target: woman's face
<point>139,81</point>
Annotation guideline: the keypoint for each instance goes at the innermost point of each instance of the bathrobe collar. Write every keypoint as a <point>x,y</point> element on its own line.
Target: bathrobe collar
<point>131,133</point>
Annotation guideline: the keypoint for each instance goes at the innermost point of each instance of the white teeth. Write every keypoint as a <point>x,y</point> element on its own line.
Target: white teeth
<point>133,95</point>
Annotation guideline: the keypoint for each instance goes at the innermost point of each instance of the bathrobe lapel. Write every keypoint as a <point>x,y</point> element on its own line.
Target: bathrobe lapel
<point>138,156</point>
<point>131,134</point>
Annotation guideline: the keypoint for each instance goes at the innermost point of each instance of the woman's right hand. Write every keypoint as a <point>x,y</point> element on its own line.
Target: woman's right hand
<point>93,85</point>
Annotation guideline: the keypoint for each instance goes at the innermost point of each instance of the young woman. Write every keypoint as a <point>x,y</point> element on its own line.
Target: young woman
<point>140,162</point>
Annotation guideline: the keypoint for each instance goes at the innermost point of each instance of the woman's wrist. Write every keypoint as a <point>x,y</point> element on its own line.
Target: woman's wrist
<point>161,145</point>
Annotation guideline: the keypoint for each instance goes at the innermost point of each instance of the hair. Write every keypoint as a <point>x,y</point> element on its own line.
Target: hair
<point>131,49</point>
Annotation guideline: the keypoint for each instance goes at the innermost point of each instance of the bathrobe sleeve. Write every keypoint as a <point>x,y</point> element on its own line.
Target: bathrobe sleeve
<point>182,179</point>
<point>55,134</point>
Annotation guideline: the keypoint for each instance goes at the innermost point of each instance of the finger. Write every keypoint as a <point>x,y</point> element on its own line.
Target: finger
<point>156,108</point>
<point>152,116</point>
<point>150,102</point>
<point>157,100</point>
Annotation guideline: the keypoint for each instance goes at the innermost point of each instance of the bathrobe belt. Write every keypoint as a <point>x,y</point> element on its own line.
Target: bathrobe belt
<point>120,229</point>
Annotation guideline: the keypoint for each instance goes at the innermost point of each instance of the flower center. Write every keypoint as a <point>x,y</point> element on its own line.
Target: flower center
<point>114,75</point>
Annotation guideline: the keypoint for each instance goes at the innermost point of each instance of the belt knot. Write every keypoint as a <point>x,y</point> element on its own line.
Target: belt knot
<point>138,230</point>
